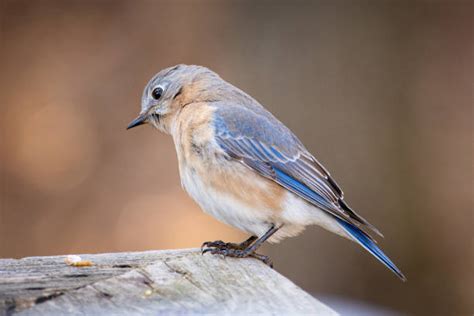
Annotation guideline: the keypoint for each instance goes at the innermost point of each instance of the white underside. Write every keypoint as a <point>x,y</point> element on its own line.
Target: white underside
<point>296,213</point>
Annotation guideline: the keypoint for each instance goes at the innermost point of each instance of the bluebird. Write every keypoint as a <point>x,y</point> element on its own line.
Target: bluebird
<point>244,167</point>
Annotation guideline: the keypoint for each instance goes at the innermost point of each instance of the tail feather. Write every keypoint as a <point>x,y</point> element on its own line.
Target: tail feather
<point>369,245</point>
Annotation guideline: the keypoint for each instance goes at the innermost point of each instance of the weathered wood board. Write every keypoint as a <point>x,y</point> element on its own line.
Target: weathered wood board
<point>152,282</point>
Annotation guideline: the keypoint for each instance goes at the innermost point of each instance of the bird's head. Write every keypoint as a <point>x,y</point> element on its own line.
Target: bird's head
<point>169,91</point>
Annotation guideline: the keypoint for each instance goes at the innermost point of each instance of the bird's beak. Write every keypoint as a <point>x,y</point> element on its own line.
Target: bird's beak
<point>140,120</point>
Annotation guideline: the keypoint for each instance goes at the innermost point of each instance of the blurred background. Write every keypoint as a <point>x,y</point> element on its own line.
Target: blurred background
<point>379,91</point>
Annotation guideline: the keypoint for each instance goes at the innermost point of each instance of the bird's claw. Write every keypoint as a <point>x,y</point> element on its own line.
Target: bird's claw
<point>208,245</point>
<point>263,258</point>
<point>232,250</point>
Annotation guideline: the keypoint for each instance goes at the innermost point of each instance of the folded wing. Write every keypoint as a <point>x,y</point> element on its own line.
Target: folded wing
<point>261,142</point>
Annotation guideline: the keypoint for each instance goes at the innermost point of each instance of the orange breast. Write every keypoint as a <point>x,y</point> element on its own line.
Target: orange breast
<point>196,151</point>
<point>246,186</point>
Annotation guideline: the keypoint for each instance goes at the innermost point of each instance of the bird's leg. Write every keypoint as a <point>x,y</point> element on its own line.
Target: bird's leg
<point>247,242</point>
<point>245,249</point>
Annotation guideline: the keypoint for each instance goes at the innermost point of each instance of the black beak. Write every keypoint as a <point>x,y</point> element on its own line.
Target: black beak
<point>140,120</point>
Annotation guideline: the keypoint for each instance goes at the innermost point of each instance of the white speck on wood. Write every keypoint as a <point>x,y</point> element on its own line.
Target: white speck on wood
<point>152,282</point>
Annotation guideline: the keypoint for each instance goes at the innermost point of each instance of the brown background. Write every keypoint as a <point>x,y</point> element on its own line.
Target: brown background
<point>380,92</point>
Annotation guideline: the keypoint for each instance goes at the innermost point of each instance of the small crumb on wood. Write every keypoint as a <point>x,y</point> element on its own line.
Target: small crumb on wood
<point>148,293</point>
<point>76,261</point>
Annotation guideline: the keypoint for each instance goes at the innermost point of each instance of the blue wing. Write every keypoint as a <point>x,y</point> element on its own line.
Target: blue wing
<point>255,137</point>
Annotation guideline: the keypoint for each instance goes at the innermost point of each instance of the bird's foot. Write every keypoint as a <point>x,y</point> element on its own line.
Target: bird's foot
<point>233,250</point>
<point>220,244</point>
<point>208,245</point>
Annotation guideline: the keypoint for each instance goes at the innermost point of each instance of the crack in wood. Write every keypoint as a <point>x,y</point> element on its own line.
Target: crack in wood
<point>148,279</point>
<point>45,298</point>
<point>123,266</point>
<point>79,275</point>
<point>38,288</point>
<point>186,275</point>
<point>102,293</point>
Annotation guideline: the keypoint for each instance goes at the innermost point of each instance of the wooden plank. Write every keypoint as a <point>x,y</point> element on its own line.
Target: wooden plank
<point>152,282</point>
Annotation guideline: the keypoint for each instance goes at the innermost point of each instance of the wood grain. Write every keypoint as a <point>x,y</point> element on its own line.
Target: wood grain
<point>152,282</point>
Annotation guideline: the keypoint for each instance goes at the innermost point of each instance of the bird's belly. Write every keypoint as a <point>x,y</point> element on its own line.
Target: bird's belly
<point>234,196</point>
<point>237,196</point>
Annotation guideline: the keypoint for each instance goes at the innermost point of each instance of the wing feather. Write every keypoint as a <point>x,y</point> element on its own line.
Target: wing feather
<point>263,143</point>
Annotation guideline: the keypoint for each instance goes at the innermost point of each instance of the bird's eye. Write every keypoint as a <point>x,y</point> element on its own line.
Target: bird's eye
<point>156,93</point>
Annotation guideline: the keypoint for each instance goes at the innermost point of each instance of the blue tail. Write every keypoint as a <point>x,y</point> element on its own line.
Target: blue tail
<point>370,246</point>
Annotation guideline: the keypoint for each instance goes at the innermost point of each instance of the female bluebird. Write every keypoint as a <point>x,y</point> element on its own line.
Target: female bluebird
<point>243,166</point>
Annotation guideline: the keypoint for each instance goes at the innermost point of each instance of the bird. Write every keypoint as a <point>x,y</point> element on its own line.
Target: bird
<point>244,167</point>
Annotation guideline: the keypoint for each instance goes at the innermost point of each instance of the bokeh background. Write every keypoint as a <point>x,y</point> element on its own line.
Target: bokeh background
<point>379,91</point>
